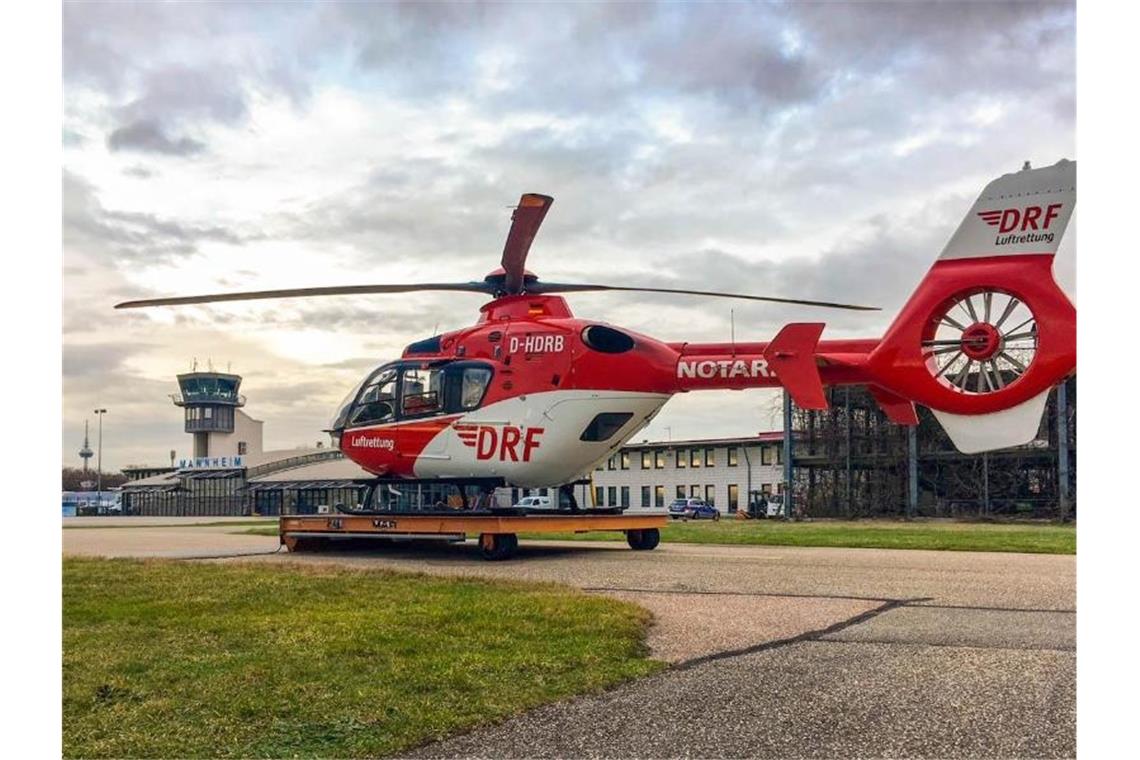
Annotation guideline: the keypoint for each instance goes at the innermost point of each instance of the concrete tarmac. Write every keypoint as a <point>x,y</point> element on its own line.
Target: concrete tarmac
<point>776,651</point>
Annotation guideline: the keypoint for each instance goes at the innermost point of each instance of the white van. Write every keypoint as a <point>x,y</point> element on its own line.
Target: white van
<point>535,502</point>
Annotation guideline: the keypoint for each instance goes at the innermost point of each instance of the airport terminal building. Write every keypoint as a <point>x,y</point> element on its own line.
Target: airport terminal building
<point>230,473</point>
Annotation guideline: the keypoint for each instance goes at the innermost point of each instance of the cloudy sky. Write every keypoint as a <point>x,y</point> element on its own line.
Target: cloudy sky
<point>822,151</point>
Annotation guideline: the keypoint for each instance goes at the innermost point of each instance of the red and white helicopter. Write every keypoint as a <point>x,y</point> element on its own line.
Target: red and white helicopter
<point>532,396</point>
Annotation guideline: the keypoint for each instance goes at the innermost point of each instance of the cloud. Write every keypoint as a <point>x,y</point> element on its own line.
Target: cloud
<point>148,136</point>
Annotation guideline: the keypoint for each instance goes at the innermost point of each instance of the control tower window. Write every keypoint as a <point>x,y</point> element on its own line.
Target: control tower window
<point>377,402</point>
<point>421,392</point>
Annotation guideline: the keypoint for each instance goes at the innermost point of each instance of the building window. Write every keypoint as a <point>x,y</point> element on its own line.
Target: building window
<point>243,447</point>
<point>598,493</point>
<point>710,494</point>
<point>710,457</point>
<point>733,497</point>
<point>694,492</point>
<point>611,464</point>
<point>625,497</point>
<point>681,458</point>
<point>612,496</point>
<point>625,460</point>
<point>766,453</point>
<point>646,459</point>
<point>659,460</point>
<point>659,496</point>
<point>645,497</point>
<point>680,492</point>
<point>695,458</point>
<point>733,453</point>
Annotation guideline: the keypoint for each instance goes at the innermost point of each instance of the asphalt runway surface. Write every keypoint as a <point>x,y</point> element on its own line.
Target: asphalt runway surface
<point>775,651</point>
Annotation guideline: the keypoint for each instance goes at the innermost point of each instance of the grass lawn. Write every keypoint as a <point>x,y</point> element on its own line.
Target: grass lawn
<point>173,659</point>
<point>1045,538</point>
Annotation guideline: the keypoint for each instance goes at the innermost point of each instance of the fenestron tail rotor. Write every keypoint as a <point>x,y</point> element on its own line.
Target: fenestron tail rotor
<point>513,279</point>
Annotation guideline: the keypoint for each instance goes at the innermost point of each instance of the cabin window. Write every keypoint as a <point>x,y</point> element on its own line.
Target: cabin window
<point>420,393</point>
<point>475,382</point>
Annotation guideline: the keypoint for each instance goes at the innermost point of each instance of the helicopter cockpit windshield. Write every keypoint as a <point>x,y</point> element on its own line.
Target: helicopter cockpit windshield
<point>407,390</point>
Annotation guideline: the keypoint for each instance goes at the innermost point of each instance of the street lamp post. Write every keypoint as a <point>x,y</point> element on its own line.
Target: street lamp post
<point>99,476</point>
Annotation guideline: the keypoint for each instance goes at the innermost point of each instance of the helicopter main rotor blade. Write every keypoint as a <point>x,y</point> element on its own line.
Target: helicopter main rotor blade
<point>525,222</point>
<point>557,287</point>
<point>340,290</point>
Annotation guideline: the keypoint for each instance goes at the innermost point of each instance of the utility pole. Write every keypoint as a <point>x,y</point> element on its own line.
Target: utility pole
<point>1063,450</point>
<point>986,483</point>
<point>787,456</point>
<point>912,470</point>
<point>99,477</point>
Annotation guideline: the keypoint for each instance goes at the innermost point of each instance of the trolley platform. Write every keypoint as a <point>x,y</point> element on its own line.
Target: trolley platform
<point>497,533</point>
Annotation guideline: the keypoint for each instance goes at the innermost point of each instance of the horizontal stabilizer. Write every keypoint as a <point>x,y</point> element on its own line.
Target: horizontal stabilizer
<point>898,409</point>
<point>974,433</point>
<point>792,355</point>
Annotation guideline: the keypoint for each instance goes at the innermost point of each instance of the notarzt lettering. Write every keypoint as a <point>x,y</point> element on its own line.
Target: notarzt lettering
<point>724,368</point>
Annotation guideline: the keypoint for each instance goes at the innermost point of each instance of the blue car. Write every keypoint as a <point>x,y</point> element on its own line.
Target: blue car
<point>693,509</point>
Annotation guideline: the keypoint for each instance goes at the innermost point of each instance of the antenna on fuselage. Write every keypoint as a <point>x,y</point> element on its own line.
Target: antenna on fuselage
<point>732,329</point>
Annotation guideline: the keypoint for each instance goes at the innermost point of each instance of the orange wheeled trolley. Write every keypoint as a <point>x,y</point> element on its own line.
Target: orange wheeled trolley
<point>497,533</point>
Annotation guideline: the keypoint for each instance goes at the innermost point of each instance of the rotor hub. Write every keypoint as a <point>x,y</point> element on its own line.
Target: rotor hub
<point>981,341</point>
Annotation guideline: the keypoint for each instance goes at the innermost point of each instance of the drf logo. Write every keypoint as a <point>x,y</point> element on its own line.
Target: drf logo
<point>511,444</point>
<point>1010,219</point>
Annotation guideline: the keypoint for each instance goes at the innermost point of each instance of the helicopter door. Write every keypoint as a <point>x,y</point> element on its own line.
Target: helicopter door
<point>421,406</point>
<point>538,352</point>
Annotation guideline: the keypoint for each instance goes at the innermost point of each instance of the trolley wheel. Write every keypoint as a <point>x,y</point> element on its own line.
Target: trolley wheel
<point>643,540</point>
<point>304,544</point>
<point>498,546</point>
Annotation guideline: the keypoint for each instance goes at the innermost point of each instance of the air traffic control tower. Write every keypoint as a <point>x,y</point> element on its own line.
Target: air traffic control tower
<point>214,416</point>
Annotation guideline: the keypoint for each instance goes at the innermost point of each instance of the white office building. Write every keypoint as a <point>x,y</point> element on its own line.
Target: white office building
<point>725,472</point>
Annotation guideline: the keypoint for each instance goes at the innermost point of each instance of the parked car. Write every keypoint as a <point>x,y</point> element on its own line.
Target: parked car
<point>535,502</point>
<point>693,509</point>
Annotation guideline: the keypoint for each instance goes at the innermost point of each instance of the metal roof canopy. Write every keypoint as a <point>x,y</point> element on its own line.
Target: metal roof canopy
<point>212,474</point>
<point>153,489</point>
<point>301,485</point>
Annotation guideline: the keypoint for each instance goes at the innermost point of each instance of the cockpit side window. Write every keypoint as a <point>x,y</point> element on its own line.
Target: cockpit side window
<point>377,403</point>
